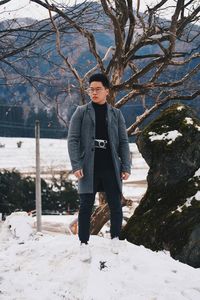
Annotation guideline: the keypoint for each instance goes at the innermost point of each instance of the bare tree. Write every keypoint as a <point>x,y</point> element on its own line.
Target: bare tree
<point>150,59</point>
<point>169,46</point>
<point>26,45</point>
<point>146,51</point>
<point>171,40</point>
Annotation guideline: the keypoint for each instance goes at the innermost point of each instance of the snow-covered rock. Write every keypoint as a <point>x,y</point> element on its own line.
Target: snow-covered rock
<point>19,226</point>
<point>167,216</point>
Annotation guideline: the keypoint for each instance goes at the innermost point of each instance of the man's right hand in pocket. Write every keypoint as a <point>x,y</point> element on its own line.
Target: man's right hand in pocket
<point>79,173</point>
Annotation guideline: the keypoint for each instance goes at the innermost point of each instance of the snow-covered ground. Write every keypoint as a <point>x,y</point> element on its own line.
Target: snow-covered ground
<point>53,155</point>
<point>54,158</point>
<point>47,267</point>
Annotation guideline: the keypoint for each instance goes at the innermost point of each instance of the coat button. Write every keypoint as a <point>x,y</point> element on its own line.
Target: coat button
<point>92,149</point>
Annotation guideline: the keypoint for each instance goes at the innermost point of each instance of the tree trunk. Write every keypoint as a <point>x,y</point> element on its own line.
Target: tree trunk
<point>102,198</point>
<point>102,214</point>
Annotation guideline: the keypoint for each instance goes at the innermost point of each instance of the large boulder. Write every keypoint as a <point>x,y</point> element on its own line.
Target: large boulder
<point>168,216</point>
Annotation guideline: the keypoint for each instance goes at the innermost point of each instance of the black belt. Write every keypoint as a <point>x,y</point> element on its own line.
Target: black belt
<point>100,143</point>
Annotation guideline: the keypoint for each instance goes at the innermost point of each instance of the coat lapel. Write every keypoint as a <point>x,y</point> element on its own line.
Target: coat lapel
<point>110,117</point>
<point>91,112</point>
<point>109,113</point>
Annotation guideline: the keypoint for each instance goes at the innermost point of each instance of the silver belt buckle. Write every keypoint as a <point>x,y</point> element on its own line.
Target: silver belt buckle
<point>100,143</point>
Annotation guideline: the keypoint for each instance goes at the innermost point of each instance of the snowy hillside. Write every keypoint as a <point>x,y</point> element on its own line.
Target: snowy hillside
<point>53,155</point>
<point>47,267</point>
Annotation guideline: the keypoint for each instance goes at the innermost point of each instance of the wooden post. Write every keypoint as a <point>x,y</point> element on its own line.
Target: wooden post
<point>38,179</point>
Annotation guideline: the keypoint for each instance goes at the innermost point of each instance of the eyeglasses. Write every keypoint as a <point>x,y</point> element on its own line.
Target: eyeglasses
<point>92,90</point>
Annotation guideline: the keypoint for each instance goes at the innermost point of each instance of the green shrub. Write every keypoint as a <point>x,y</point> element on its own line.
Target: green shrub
<point>18,193</point>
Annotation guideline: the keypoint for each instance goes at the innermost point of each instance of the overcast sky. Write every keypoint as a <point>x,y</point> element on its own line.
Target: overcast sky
<point>24,8</point>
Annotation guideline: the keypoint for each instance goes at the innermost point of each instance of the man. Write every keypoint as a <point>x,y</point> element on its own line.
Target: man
<point>100,157</point>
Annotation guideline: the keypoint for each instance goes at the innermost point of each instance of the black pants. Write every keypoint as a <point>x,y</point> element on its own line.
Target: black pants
<point>107,180</point>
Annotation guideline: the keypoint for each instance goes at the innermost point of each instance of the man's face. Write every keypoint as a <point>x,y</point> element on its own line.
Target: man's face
<point>98,92</point>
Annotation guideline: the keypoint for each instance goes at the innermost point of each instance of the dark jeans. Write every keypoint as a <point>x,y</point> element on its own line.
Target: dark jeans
<point>106,179</point>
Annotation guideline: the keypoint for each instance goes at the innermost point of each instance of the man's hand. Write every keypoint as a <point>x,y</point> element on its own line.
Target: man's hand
<point>125,175</point>
<point>79,173</point>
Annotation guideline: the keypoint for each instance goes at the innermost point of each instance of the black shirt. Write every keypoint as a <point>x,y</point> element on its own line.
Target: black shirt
<point>102,157</point>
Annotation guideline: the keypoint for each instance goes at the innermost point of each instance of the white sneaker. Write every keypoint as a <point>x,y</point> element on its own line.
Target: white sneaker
<point>115,245</point>
<point>85,254</point>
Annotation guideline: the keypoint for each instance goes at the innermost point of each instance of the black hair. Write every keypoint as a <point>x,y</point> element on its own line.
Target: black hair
<point>100,77</point>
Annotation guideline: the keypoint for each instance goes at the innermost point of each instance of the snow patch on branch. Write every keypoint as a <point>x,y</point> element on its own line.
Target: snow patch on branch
<point>197,173</point>
<point>189,121</point>
<point>195,197</point>
<point>188,201</point>
<point>170,136</point>
<point>197,127</point>
<point>179,108</point>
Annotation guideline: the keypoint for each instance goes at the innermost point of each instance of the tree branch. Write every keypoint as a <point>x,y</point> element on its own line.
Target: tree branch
<point>2,2</point>
<point>157,105</point>
<point>66,60</point>
<point>83,31</point>
<point>117,30</point>
<point>129,96</point>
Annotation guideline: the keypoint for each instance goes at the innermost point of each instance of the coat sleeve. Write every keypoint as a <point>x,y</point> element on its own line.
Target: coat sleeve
<point>74,134</point>
<point>124,151</point>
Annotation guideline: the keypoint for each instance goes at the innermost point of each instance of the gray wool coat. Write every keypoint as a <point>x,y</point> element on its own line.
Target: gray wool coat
<point>81,138</point>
